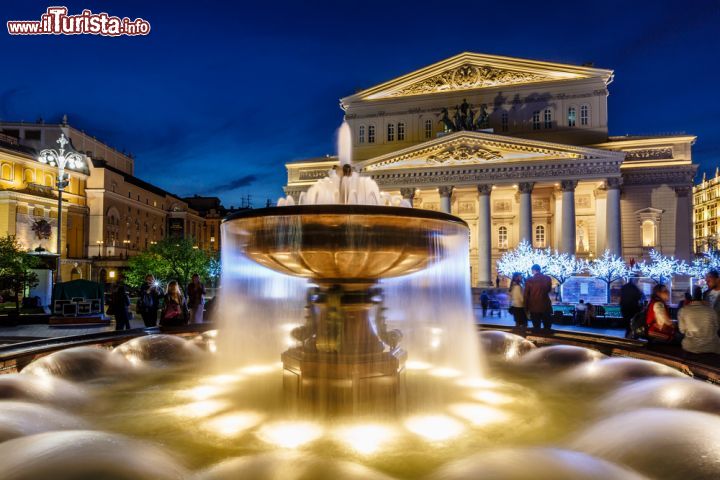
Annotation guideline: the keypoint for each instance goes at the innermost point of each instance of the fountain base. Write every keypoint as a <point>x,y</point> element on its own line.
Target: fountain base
<point>333,383</point>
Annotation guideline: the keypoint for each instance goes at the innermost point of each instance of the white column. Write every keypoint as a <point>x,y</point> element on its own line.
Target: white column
<point>483,237</point>
<point>614,235</point>
<point>567,236</point>
<point>445,199</point>
<point>600,220</point>
<point>683,223</point>
<point>525,193</point>
<point>557,219</point>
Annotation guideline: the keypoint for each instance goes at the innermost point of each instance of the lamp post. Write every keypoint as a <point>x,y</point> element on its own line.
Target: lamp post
<point>60,158</point>
<point>99,244</point>
<point>126,242</point>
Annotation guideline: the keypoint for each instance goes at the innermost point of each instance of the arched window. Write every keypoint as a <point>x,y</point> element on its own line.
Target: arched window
<point>28,176</point>
<point>49,180</point>
<point>584,115</point>
<point>391,132</point>
<point>428,128</point>
<point>536,120</point>
<point>648,233</point>
<point>371,133</point>
<point>547,118</point>
<point>503,237</point>
<point>7,171</point>
<point>572,116</point>
<point>361,134</point>
<point>540,236</point>
<point>401,131</point>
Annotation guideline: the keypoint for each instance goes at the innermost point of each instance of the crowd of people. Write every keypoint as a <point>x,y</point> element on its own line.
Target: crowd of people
<point>531,301</point>
<point>697,328</point>
<point>175,307</point>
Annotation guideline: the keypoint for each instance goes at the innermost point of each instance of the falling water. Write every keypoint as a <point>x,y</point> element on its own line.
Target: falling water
<point>433,308</point>
<point>259,307</point>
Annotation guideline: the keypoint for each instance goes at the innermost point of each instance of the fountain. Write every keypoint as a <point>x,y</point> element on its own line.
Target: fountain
<point>347,349</point>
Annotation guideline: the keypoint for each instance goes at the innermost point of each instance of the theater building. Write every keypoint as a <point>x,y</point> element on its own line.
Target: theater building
<point>520,150</point>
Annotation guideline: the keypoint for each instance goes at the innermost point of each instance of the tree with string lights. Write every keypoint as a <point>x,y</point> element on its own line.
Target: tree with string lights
<point>609,268</point>
<point>660,269</point>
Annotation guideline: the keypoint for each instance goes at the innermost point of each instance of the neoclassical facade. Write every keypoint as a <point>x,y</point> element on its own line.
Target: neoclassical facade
<point>520,150</point>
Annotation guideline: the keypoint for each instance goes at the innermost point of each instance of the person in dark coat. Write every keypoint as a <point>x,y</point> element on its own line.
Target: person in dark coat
<point>484,302</point>
<point>149,301</point>
<point>630,302</point>
<point>537,299</point>
<point>121,305</point>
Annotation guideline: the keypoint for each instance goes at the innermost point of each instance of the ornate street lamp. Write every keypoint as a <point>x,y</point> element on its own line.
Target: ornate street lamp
<point>61,159</point>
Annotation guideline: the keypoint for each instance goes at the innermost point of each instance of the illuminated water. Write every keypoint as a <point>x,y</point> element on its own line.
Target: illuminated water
<point>183,420</point>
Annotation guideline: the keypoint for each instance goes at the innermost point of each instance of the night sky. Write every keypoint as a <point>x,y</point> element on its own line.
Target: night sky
<point>220,95</point>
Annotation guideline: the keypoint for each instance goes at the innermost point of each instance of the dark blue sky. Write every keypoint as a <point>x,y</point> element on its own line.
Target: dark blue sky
<point>221,94</point>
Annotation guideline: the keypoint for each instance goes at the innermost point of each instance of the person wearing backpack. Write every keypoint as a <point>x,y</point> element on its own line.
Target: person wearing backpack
<point>148,303</point>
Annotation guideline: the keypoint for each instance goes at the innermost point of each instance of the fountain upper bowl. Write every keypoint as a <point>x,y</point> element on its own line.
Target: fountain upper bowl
<point>343,243</point>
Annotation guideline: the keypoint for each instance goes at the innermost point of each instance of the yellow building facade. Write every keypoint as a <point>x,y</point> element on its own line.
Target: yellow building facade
<point>108,215</point>
<point>706,214</point>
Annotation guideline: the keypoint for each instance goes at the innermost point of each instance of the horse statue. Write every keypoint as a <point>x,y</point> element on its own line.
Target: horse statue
<point>446,120</point>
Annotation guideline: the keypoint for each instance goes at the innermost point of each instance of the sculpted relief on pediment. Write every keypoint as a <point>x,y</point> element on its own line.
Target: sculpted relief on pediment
<point>468,76</point>
<point>462,153</point>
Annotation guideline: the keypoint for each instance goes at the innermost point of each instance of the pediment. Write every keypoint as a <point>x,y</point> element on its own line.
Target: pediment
<point>480,148</point>
<point>469,71</point>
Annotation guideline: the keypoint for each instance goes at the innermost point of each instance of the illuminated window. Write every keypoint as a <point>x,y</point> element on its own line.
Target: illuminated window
<point>547,117</point>
<point>7,172</point>
<point>391,132</point>
<point>540,236</point>
<point>428,128</point>
<point>504,121</point>
<point>648,233</point>
<point>28,176</point>
<point>503,237</point>
<point>584,115</point>
<point>572,116</point>
<point>371,133</point>
<point>361,134</point>
<point>401,131</point>
<point>536,120</point>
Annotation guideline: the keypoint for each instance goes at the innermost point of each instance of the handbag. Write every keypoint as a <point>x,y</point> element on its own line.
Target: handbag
<point>172,312</point>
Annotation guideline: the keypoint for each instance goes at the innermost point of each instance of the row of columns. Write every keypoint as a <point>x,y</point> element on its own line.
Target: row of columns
<point>567,219</point>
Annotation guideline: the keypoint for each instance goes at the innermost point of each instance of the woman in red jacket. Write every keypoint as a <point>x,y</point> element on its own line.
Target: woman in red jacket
<point>660,326</point>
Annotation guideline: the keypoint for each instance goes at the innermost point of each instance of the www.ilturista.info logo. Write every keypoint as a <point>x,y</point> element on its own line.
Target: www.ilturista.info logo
<point>56,21</point>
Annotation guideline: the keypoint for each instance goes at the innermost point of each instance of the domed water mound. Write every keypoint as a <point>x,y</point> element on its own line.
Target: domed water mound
<point>18,419</point>
<point>660,443</point>
<point>158,350</point>
<point>43,389</point>
<point>559,357</point>
<point>533,464</point>
<point>610,372</point>
<point>85,455</point>
<point>678,393</point>
<point>504,346</point>
<point>78,363</point>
